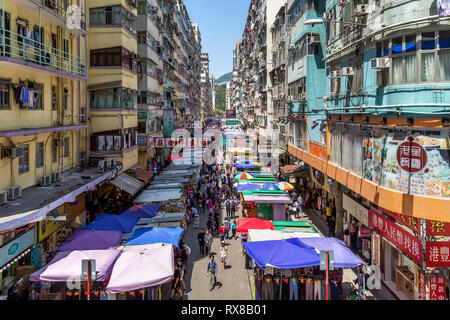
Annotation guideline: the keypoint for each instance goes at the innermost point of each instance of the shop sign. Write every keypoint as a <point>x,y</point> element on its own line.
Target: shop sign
<point>422,286</point>
<point>406,242</point>
<point>47,227</point>
<point>16,247</point>
<point>170,142</point>
<point>160,142</point>
<point>411,222</point>
<point>437,228</point>
<point>364,232</point>
<point>411,157</point>
<point>438,253</point>
<point>437,288</point>
<point>356,210</point>
<point>376,249</point>
<point>318,176</point>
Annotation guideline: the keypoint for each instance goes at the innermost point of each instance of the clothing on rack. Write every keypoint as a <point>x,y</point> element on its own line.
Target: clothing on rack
<point>285,289</point>
<point>309,289</point>
<point>276,288</point>
<point>268,288</point>
<point>301,289</point>
<point>317,290</point>
<point>334,290</point>
<point>293,294</point>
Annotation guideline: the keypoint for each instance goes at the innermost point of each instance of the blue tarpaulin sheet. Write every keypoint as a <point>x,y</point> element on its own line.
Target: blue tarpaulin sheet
<point>112,222</point>
<point>343,256</point>
<point>151,235</point>
<point>142,211</point>
<point>247,186</point>
<point>244,165</point>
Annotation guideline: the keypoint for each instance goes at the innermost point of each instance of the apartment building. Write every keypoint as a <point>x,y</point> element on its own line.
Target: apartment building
<point>206,89</point>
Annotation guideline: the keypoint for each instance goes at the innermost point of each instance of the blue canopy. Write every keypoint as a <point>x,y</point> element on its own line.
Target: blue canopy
<point>112,222</point>
<point>151,235</point>
<point>282,254</point>
<point>270,187</point>
<point>343,256</point>
<point>248,186</point>
<point>142,211</point>
<point>244,165</point>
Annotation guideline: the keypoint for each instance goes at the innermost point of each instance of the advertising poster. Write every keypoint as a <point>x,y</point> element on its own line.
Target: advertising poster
<point>373,156</point>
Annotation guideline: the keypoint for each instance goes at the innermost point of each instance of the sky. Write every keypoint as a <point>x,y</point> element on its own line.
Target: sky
<point>221,24</point>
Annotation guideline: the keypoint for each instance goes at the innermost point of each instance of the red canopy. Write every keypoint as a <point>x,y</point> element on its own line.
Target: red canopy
<point>253,223</point>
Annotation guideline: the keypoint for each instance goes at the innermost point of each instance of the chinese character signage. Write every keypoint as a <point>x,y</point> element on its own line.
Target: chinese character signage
<point>419,164</point>
<point>443,8</point>
<point>437,288</point>
<point>411,156</point>
<point>422,286</point>
<point>411,222</point>
<point>438,254</point>
<point>376,249</point>
<point>437,228</point>
<point>402,239</point>
<point>160,142</point>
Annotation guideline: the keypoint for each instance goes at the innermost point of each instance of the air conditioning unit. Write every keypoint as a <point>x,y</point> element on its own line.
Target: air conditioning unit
<point>327,16</point>
<point>101,166</point>
<point>347,71</point>
<point>45,180</point>
<point>107,163</point>
<point>47,58</point>
<point>302,96</point>
<point>14,192</point>
<point>314,39</point>
<point>56,176</point>
<point>334,74</point>
<point>342,2</point>
<point>380,63</point>
<point>362,9</point>
<point>58,143</point>
<point>290,98</point>
<point>11,153</point>
<point>3,197</point>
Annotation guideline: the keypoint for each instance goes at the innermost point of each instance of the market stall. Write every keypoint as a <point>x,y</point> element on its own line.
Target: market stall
<point>142,211</point>
<point>155,235</point>
<point>92,240</point>
<point>267,204</point>
<point>265,234</point>
<point>112,222</point>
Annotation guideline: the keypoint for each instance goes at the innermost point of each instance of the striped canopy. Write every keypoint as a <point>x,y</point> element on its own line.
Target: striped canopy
<point>243,176</point>
<point>286,186</point>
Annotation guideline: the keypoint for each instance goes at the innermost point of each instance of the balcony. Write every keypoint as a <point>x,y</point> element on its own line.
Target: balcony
<point>37,55</point>
<point>318,149</point>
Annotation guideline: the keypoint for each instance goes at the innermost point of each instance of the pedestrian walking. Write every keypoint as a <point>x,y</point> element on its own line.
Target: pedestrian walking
<point>228,207</point>
<point>222,231</point>
<point>228,227</point>
<point>201,241</point>
<point>208,242</point>
<point>176,282</point>
<point>223,250</point>
<point>211,272</point>
<point>233,208</point>
<point>233,229</point>
<point>243,239</point>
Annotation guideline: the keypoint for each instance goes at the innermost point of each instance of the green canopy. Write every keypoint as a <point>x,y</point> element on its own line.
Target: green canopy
<point>275,192</point>
<point>301,226</point>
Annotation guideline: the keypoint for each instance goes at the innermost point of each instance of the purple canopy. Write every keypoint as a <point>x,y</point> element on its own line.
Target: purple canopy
<point>343,256</point>
<point>112,222</point>
<point>142,211</point>
<point>91,240</point>
<point>142,268</point>
<point>66,266</point>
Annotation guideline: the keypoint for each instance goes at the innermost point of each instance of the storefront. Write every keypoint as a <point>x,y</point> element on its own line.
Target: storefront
<point>15,266</point>
<point>357,233</point>
<point>397,250</point>
<point>323,192</point>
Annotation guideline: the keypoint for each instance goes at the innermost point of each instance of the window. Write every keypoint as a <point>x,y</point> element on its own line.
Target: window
<point>66,147</point>
<point>67,100</point>
<point>54,99</point>
<point>54,153</point>
<point>4,94</point>
<point>39,154</point>
<point>117,56</point>
<point>113,15</point>
<point>23,159</point>
<point>115,98</point>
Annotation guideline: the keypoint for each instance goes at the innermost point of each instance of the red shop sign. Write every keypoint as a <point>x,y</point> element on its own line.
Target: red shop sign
<point>411,156</point>
<point>438,254</point>
<point>437,288</point>
<point>402,239</point>
<point>411,222</point>
<point>437,228</point>
<point>364,232</point>
<point>422,286</point>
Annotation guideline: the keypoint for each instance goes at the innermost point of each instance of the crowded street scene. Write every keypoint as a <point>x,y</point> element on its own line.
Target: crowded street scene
<point>192,152</point>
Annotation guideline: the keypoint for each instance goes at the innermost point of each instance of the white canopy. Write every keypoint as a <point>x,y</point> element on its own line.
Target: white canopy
<point>266,234</point>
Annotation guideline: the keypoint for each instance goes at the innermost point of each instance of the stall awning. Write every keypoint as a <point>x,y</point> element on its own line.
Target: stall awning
<point>127,183</point>
<point>272,199</point>
<point>145,176</point>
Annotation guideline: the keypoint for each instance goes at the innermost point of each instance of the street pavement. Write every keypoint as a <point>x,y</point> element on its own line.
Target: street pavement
<point>233,283</point>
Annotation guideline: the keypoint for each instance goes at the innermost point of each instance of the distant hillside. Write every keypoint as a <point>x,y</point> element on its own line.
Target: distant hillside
<point>225,78</point>
<point>221,96</point>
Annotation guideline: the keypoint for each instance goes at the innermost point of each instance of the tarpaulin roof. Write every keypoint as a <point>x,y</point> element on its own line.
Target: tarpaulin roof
<point>127,183</point>
<point>270,187</point>
<point>112,222</point>
<point>282,254</point>
<point>142,211</point>
<point>164,217</point>
<point>244,165</point>
<point>264,235</point>
<point>149,196</point>
<point>253,223</point>
<point>272,199</point>
<point>141,268</point>
<point>248,186</point>
<point>156,235</point>
<point>91,240</point>
<point>343,256</point>
<point>66,265</point>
